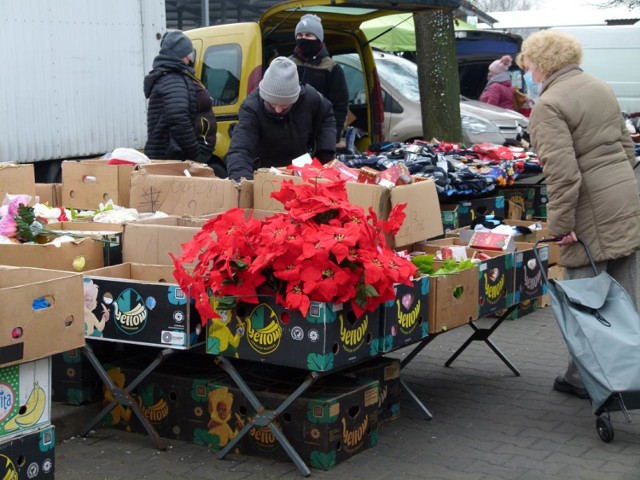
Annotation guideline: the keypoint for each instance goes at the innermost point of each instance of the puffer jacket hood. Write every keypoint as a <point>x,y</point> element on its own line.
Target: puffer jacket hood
<point>163,64</point>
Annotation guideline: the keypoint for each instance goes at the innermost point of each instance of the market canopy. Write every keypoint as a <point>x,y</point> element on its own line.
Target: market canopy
<point>400,31</point>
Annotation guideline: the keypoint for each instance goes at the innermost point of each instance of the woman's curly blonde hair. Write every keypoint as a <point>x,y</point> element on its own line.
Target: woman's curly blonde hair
<point>550,51</point>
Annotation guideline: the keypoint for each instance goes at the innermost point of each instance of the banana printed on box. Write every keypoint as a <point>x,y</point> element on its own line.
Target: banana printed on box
<point>25,397</point>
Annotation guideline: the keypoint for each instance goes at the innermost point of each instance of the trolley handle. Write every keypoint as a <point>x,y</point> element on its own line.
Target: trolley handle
<point>555,239</point>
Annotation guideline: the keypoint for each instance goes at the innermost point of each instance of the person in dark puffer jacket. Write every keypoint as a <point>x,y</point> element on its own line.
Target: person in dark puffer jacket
<point>318,69</point>
<point>280,121</point>
<point>180,121</point>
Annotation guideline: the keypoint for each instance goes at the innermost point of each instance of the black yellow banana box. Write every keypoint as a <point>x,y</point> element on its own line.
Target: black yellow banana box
<point>31,455</point>
<point>496,274</point>
<point>140,304</point>
<point>335,419</point>
<point>405,320</point>
<point>188,397</point>
<point>529,282</point>
<point>387,372</point>
<point>329,337</point>
<point>25,398</point>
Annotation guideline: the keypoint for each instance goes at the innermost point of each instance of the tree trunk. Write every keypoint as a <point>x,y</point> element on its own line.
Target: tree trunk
<point>438,75</point>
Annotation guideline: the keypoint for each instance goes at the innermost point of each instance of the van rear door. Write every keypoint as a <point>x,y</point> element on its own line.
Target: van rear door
<point>341,20</point>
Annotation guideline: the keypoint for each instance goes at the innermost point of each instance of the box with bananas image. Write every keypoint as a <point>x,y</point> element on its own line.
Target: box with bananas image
<point>25,397</point>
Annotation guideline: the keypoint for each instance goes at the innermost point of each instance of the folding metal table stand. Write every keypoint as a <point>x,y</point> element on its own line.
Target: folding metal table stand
<point>123,396</point>
<point>479,334</point>
<point>265,417</point>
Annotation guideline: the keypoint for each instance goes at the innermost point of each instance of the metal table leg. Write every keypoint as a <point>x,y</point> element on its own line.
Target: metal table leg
<point>483,334</point>
<point>266,417</point>
<point>416,350</point>
<point>122,395</point>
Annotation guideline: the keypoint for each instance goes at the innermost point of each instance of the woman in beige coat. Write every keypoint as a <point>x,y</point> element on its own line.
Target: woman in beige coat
<point>579,134</point>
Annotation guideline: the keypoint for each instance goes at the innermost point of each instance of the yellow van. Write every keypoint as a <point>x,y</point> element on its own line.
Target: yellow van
<point>230,59</point>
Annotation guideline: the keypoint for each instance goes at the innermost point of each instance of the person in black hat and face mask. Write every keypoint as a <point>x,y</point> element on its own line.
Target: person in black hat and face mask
<point>279,121</point>
<point>181,124</point>
<point>318,69</point>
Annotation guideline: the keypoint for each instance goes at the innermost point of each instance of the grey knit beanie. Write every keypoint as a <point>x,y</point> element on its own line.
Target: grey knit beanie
<point>311,23</point>
<point>280,84</point>
<point>176,44</point>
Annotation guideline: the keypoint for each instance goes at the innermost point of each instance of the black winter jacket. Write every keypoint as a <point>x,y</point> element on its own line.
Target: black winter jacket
<point>171,111</point>
<point>261,139</point>
<point>326,76</point>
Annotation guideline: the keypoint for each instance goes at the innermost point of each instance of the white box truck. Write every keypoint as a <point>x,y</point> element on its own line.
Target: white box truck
<point>71,83</point>
<point>612,54</point>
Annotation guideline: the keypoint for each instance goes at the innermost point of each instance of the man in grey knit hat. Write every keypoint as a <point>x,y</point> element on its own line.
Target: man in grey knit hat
<point>280,121</point>
<point>318,69</point>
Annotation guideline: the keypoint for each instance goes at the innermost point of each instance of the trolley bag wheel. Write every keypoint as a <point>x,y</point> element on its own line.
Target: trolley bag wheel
<point>604,428</point>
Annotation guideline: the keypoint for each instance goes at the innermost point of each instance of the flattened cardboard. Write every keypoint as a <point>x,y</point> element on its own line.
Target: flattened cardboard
<point>17,179</point>
<point>165,188</point>
<point>88,183</point>
<point>25,398</point>
<point>423,219</point>
<point>141,304</point>
<point>51,256</point>
<point>29,334</point>
<point>33,452</point>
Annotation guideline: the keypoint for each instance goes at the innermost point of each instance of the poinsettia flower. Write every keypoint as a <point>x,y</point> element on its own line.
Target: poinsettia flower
<point>396,218</point>
<point>338,240</point>
<point>323,279</point>
<point>294,298</point>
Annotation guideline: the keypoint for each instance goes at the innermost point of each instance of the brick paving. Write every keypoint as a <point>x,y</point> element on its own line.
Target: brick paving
<point>487,424</point>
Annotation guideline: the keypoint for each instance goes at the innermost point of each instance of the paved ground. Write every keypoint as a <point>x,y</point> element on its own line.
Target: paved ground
<point>488,424</point>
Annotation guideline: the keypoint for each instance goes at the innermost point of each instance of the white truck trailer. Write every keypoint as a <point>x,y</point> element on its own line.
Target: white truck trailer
<point>612,54</point>
<point>71,82</point>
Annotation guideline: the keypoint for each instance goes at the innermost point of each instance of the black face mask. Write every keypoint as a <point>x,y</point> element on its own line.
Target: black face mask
<point>308,48</point>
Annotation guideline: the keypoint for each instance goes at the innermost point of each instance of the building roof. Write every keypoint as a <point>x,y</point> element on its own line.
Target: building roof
<point>562,17</point>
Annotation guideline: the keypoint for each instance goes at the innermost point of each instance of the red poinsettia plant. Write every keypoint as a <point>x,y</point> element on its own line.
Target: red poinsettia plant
<point>322,249</point>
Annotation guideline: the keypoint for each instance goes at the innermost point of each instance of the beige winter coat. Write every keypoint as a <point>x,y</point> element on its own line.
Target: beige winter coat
<point>587,155</point>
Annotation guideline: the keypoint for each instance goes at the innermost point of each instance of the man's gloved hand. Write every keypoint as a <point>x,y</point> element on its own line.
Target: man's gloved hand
<point>205,153</point>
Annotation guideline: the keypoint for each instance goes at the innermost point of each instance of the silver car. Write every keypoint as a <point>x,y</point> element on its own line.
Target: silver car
<point>481,122</point>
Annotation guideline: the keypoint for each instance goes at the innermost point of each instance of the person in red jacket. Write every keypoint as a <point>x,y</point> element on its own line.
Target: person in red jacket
<point>499,90</point>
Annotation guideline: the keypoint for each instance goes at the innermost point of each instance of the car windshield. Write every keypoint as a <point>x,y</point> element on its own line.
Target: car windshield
<point>402,75</point>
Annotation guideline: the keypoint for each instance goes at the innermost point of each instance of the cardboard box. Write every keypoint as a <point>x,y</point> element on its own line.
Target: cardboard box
<point>405,320</point>
<point>529,281</point>
<point>165,188</point>
<point>141,304</point>
<point>329,423</point>
<point>175,398</point>
<point>470,210</point>
<point>28,332</point>
<point>17,179</point>
<point>150,241</point>
<point>387,372</point>
<point>449,214</point>
<point>423,218</point>
<point>496,275</point>
<point>555,272</point>
<point>49,193</point>
<point>331,336</point>
<point>333,420</point>
<point>554,250</point>
<point>52,256</point>
<point>29,456</point>
<point>25,398</point>
<point>524,308</point>
<point>74,381</point>
<point>523,197</point>
<point>108,234</point>
<point>88,183</point>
